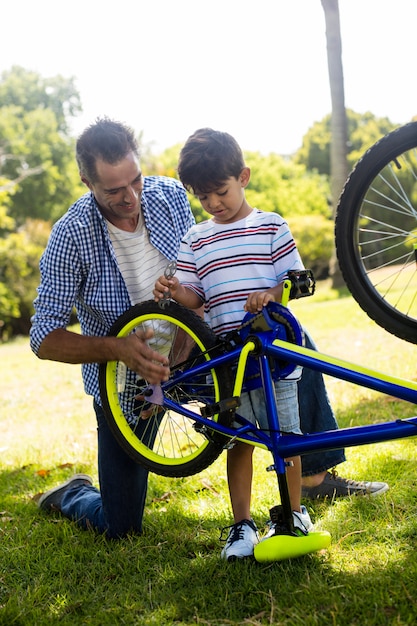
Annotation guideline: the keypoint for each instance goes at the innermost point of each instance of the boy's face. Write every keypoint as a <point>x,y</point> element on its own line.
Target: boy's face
<point>227,203</point>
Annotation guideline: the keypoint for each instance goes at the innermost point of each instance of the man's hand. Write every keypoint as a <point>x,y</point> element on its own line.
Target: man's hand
<point>140,358</point>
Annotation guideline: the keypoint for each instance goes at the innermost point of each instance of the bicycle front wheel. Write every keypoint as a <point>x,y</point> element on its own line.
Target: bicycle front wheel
<point>164,441</point>
<point>376,232</point>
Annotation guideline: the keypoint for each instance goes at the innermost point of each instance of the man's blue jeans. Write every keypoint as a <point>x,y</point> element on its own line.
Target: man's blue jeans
<point>117,508</point>
<point>316,415</point>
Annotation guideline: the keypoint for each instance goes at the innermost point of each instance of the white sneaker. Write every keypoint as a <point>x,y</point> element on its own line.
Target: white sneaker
<point>242,538</point>
<point>301,521</point>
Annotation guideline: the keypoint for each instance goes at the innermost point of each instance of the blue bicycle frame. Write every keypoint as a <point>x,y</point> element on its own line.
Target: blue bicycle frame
<point>293,445</point>
<point>263,346</point>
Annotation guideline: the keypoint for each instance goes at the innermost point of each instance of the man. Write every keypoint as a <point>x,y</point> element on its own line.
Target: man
<point>103,256</point>
<point>89,264</point>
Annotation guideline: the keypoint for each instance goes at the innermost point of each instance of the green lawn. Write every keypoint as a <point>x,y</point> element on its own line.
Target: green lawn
<point>53,573</point>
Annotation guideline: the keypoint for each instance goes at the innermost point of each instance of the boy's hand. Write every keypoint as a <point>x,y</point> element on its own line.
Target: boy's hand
<point>165,286</point>
<point>257,300</point>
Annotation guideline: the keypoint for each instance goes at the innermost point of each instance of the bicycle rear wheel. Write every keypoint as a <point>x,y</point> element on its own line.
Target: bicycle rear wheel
<point>376,232</point>
<point>166,442</point>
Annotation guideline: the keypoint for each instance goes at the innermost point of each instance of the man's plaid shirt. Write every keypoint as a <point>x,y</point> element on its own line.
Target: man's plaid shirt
<point>79,267</point>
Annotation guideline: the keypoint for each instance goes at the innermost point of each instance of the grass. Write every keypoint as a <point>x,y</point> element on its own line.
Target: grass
<point>53,573</point>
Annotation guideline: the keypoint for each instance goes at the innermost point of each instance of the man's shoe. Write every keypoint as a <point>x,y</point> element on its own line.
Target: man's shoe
<point>301,520</point>
<point>51,500</point>
<point>333,486</point>
<point>242,538</point>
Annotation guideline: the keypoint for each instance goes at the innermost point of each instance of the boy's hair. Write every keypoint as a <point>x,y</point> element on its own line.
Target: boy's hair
<point>208,158</point>
<point>106,139</point>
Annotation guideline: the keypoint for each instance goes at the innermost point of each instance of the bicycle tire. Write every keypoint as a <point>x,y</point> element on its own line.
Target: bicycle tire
<point>376,232</point>
<point>165,443</point>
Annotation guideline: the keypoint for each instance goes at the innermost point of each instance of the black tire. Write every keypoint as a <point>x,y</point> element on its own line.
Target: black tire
<point>166,443</point>
<point>376,232</point>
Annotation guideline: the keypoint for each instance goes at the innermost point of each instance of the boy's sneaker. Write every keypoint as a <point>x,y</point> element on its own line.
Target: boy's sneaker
<point>51,500</point>
<point>242,538</point>
<point>301,520</point>
<point>334,486</point>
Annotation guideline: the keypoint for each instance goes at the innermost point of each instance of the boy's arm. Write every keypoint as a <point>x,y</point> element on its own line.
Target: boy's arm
<point>183,295</point>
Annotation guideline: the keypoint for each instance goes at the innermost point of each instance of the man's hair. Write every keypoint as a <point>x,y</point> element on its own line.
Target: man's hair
<point>106,139</point>
<point>208,158</point>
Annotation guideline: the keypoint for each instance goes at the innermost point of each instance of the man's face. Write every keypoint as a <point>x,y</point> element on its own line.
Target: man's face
<point>118,191</point>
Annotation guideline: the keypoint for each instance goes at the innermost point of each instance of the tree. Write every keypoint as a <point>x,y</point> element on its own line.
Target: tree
<point>285,187</point>
<point>28,91</point>
<point>19,275</point>
<point>37,163</point>
<point>38,179</point>
<point>364,129</point>
<point>338,147</point>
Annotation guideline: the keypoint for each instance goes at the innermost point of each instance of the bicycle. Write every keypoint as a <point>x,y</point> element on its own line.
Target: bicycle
<point>376,232</point>
<point>194,416</point>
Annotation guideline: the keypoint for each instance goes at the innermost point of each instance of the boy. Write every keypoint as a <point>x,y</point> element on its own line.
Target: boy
<point>234,263</point>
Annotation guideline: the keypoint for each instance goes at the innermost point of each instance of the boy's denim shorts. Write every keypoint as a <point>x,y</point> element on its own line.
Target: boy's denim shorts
<point>252,407</point>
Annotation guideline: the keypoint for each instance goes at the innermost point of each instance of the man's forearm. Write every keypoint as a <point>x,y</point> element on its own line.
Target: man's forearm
<point>69,347</point>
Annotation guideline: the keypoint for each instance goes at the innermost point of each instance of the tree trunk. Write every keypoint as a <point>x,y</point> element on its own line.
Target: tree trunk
<point>339,168</point>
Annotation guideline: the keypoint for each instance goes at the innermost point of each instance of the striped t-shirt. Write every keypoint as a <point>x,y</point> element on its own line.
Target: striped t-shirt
<point>224,263</point>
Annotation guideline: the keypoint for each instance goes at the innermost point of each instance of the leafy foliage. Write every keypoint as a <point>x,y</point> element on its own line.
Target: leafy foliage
<point>314,237</point>
<point>363,131</point>
<point>38,181</point>
<point>36,152</point>
<point>19,275</point>
<point>28,91</point>
<point>285,187</point>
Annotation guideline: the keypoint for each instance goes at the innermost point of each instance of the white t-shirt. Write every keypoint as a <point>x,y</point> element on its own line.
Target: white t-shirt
<point>140,263</point>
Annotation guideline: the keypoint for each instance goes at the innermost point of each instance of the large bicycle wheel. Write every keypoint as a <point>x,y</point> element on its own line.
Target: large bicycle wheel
<point>376,232</point>
<point>166,442</point>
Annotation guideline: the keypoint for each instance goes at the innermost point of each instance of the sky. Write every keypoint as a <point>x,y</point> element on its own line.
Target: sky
<point>254,68</point>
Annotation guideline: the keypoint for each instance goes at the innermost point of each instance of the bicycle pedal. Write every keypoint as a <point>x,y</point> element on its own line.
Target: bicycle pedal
<point>281,547</point>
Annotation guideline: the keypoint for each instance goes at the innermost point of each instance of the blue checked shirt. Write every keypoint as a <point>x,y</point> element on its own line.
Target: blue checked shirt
<point>79,267</point>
